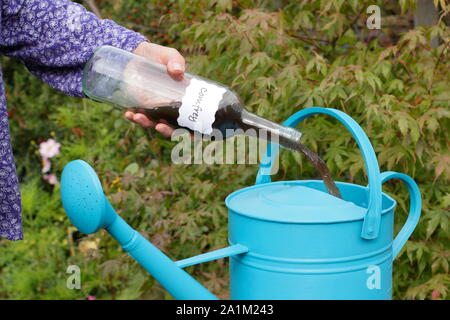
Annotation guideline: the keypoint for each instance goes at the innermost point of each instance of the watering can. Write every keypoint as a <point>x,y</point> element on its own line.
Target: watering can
<point>288,239</point>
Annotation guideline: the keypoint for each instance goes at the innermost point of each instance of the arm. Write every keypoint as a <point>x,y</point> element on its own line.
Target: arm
<point>55,38</point>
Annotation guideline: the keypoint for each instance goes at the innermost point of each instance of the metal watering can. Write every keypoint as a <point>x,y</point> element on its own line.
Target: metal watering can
<point>288,239</point>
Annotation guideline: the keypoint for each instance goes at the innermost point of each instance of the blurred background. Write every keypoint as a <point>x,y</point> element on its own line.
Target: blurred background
<point>280,57</point>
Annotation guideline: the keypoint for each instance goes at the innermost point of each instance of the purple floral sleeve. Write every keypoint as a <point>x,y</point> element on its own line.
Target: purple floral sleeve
<point>54,39</point>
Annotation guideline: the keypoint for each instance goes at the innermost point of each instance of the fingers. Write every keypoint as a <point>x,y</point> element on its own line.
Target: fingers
<point>129,115</point>
<point>142,120</point>
<point>164,129</point>
<point>170,57</point>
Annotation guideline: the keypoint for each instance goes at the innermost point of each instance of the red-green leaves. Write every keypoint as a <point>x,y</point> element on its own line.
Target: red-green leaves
<point>280,57</point>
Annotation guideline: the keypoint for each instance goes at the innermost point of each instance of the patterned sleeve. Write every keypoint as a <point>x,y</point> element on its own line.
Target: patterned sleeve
<point>55,38</point>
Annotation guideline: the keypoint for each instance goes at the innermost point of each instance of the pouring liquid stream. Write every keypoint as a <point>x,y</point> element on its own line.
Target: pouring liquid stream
<point>321,167</point>
<point>169,114</point>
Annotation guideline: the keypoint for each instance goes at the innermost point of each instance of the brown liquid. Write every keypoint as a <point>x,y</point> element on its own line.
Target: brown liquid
<point>322,167</point>
<point>229,116</point>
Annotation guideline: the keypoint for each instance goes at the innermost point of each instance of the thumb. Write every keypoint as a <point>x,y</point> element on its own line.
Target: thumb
<point>168,56</point>
<point>175,62</point>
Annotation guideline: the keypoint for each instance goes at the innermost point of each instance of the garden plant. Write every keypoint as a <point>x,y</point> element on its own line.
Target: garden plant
<point>280,57</point>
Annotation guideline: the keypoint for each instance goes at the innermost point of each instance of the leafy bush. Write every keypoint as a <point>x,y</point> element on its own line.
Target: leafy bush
<point>279,56</point>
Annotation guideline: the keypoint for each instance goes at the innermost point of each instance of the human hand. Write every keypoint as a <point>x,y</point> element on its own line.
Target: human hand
<point>175,67</point>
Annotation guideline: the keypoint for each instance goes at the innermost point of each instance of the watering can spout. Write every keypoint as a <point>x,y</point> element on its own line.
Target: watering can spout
<point>89,210</point>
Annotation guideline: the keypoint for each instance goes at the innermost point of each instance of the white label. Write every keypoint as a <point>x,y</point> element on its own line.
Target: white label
<point>199,105</point>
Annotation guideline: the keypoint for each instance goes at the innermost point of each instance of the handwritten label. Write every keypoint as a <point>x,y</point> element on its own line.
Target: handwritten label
<point>199,105</point>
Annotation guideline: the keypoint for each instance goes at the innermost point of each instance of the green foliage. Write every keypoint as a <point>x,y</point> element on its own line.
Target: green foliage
<point>279,56</point>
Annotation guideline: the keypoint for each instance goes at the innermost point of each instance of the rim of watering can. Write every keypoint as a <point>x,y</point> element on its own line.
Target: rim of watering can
<point>276,217</point>
<point>371,225</point>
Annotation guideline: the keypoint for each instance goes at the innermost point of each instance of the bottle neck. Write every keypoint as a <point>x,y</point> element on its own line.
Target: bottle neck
<point>285,136</point>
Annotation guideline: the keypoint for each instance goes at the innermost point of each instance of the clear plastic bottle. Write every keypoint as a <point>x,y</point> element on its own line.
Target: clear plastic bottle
<point>129,81</point>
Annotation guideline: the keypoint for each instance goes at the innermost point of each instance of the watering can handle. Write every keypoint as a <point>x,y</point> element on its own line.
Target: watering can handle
<point>414,210</point>
<point>372,218</point>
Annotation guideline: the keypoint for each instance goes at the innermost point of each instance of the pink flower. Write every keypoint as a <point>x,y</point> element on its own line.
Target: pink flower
<point>435,295</point>
<point>49,149</point>
<point>51,178</point>
<point>46,165</point>
<point>91,298</point>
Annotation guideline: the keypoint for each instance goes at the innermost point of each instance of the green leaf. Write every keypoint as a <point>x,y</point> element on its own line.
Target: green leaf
<point>403,125</point>
<point>133,289</point>
<point>132,168</point>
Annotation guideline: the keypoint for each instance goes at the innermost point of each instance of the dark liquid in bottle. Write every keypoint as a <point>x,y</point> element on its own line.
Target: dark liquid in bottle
<point>229,116</point>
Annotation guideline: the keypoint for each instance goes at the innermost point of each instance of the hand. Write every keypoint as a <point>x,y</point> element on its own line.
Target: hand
<point>175,67</point>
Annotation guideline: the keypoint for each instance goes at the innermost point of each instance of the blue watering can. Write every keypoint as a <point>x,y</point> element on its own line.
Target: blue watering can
<point>288,239</point>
